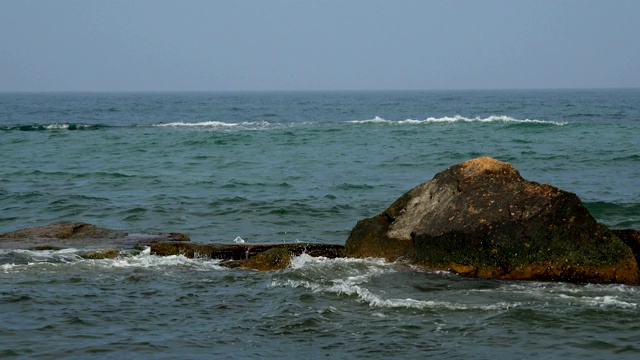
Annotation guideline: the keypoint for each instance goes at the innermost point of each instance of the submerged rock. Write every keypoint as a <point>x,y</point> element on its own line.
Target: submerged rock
<point>110,244</point>
<point>102,254</point>
<point>64,232</point>
<point>481,218</point>
<point>80,235</point>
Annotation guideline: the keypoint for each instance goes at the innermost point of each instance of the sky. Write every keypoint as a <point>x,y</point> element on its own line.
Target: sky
<point>239,45</point>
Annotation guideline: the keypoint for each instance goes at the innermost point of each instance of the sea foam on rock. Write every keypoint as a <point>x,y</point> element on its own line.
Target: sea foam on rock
<point>481,218</point>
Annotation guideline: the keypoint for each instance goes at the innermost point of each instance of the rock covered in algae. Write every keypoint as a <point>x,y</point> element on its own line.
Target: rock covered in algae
<point>481,218</point>
<point>269,260</point>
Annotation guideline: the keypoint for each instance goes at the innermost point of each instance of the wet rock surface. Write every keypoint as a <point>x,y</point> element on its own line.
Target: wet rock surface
<point>251,256</point>
<point>481,218</point>
<point>80,235</point>
<point>110,243</point>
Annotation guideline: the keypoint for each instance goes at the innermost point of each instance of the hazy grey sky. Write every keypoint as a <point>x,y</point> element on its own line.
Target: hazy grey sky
<point>156,45</point>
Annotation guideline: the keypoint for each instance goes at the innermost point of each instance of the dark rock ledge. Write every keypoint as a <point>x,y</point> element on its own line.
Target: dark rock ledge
<point>107,243</point>
<point>479,218</point>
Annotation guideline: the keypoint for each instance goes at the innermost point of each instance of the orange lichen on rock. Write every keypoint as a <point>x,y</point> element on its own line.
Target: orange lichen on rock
<point>486,164</point>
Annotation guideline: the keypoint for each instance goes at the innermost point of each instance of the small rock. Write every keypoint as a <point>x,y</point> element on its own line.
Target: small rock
<point>272,259</point>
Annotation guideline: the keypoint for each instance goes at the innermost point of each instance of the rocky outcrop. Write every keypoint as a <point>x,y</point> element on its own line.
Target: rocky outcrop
<point>250,256</point>
<point>64,232</point>
<point>481,218</point>
<point>111,243</point>
<point>80,235</point>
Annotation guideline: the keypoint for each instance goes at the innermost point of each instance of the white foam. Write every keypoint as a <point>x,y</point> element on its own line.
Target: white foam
<point>37,256</point>
<point>304,260</point>
<point>595,295</point>
<point>375,120</point>
<point>238,240</point>
<point>145,260</point>
<point>65,126</point>
<point>350,287</point>
<point>55,258</point>
<point>355,274</point>
<point>456,119</point>
<point>6,268</point>
<point>607,300</point>
<point>604,301</point>
<point>218,124</point>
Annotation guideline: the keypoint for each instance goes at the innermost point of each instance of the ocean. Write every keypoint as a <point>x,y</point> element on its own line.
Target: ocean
<point>288,167</point>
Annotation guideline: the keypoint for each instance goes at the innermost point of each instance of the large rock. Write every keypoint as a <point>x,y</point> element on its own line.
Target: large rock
<point>481,218</point>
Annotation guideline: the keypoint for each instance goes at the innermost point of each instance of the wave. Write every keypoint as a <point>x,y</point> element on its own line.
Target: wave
<point>603,296</point>
<point>347,287</point>
<point>20,260</point>
<point>458,119</point>
<point>268,125</point>
<point>275,125</point>
<point>53,127</point>
<point>219,124</point>
<point>353,278</point>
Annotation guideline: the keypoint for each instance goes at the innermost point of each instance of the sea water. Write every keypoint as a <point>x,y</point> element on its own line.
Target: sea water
<point>292,167</point>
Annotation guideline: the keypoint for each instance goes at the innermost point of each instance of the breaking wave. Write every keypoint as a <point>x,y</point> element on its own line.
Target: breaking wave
<point>18,260</point>
<point>275,125</point>
<point>53,127</point>
<point>458,119</point>
<point>248,125</point>
<point>352,277</point>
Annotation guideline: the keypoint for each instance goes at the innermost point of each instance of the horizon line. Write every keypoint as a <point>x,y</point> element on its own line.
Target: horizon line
<point>317,90</point>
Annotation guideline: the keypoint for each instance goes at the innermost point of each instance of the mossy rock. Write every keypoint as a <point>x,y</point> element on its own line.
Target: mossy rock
<point>272,259</point>
<point>102,254</point>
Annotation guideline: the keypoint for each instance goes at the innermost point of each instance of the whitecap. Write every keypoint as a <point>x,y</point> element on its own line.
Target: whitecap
<point>354,275</point>
<point>6,268</point>
<point>238,240</point>
<point>198,124</point>
<point>247,125</point>
<point>37,256</point>
<point>304,260</point>
<point>604,301</point>
<point>145,260</point>
<point>458,119</point>
<point>350,287</point>
<point>375,120</point>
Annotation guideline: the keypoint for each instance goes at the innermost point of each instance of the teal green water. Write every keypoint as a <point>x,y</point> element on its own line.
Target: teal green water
<point>287,167</point>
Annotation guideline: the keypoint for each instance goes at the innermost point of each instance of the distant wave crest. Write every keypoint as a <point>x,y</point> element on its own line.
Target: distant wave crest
<point>458,119</point>
<point>217,124</point>
<point>52,127</point>
<point>275,125</point>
